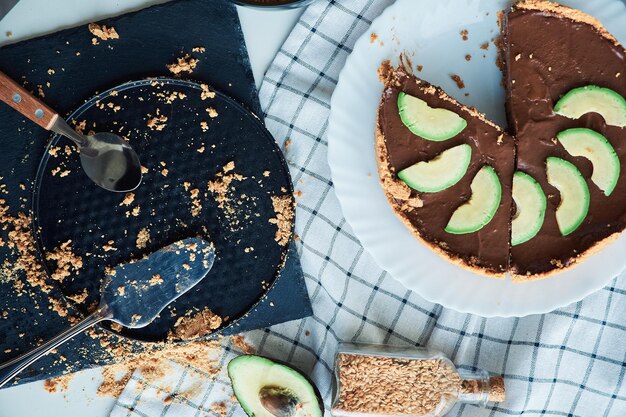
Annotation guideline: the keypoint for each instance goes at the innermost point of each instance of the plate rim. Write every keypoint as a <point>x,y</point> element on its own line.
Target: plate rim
<point>333,161</point>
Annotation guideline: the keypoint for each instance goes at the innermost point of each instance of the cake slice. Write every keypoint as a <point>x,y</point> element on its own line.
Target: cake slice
<point>565,77</point>
<point>446,171</point>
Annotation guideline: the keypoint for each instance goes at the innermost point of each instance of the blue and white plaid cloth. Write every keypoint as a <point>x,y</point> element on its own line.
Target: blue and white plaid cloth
<point>569,363</point>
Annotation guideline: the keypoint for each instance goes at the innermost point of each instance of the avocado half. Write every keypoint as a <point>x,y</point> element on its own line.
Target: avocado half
<point>265,388</point>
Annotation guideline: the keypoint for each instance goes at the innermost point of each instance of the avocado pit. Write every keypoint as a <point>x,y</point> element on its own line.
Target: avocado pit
<point>279,401</point>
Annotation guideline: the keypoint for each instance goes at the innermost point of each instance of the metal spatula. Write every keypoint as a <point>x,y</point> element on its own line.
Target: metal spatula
<point>135,294</point>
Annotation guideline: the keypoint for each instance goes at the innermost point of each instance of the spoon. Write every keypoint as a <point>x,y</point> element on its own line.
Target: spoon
<point>107,159</point>
<point>134,294</point>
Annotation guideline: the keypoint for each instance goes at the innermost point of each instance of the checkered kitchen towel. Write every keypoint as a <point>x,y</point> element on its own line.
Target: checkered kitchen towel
<point>570,362</point>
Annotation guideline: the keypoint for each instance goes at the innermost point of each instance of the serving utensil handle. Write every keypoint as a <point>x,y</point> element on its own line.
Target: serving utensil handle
<point>10,369</point>
<point>24,102</point>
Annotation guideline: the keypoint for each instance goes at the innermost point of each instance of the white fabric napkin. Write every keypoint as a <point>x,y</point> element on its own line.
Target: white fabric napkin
<point>569,363</point>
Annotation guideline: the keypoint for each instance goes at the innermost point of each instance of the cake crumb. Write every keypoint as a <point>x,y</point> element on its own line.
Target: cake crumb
<point>183,64</point>
<point>458,80</point>
<point>190,327</point>
<point>420,68</point>
<point>155,280</point>
<point>157,122</point>
<point>196,205</point>
<point>212,112</point>
<point>58,385</point>
<point>373,37</point>
<point>221,185</point>
<point>266,173</point>
<point>464,34</point>
<point>143,237</point>
<point>79,298</point>
<point>284,211</point>
<point>109,247</point>
<point>199,49</point>
<point>468,57</point>
<point>230,166</point>
<point>128,199</point>
<point>206,92</point>
<point>66,261</point>
<point>102,32</point>
<point>484,46</point>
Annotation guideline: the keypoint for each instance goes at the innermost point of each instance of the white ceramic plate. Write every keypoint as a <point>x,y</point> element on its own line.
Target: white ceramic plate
<point>430,33</point>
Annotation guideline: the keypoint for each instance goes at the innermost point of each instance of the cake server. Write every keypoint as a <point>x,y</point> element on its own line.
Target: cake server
<point>134,294</point>
<point>107,159</point>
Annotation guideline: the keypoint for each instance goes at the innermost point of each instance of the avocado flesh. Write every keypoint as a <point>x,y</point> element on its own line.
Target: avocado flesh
<point>252,376</point>
<point>430,123</point>
<point>604,101</point>
<point>574,205</point>
<point>531,203</point>
<point>597,149</point>
<point>482,205</point>
<point>439,173</point>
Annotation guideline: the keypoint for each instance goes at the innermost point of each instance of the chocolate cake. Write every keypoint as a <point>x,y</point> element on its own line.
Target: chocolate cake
<point>427,214</point>
<point>541,202</point>
<point>549,51</point>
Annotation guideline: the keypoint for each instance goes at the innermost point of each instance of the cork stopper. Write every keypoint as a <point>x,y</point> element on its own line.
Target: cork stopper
<point>497,392</point>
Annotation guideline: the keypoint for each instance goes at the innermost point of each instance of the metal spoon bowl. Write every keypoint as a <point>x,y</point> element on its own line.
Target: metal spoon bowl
<point>107,159</point>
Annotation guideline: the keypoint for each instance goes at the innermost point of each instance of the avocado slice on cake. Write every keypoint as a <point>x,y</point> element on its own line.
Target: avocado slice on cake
<point>446,171</point>
<point>565,77</point>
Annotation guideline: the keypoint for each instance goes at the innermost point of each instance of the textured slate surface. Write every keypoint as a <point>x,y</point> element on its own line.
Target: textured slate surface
<point>149,39</point>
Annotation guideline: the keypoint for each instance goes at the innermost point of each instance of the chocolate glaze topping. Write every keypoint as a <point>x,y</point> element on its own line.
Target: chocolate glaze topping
<point>487,249</point>
<point>547,54</point>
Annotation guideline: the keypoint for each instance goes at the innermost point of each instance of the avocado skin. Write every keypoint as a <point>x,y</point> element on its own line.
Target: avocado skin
<point>318,395</point>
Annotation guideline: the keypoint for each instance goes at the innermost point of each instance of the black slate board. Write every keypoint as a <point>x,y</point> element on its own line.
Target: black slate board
<point>149,39</point>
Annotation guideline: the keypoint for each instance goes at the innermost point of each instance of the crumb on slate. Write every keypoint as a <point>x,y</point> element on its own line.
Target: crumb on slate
<point>206,92</point>
<point>194,326</point>
<point>128,199</point>
<point>102,32</point>
<point>183,64</point>
<point>284,212</point>
<point>143,237</point>
<point>157,122</point>
<point>212,112</point>
<point>67,262</point>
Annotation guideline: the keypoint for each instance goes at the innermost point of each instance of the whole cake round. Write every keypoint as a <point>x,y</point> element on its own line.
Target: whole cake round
<point>536,199</point>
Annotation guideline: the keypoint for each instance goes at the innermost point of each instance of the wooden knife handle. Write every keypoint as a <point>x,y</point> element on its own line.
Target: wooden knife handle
<point>24,102</point>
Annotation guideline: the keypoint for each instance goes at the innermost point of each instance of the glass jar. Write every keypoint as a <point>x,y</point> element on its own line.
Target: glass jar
<point>274,4</point>
<point>378,380</point>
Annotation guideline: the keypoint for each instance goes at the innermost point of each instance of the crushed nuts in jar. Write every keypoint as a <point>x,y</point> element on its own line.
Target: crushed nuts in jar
<point>392,381</point>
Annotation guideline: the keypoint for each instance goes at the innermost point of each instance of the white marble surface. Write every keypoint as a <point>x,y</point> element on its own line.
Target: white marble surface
<point>264,32</point>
